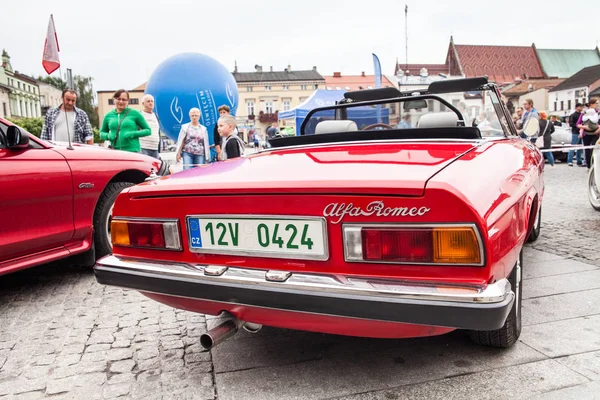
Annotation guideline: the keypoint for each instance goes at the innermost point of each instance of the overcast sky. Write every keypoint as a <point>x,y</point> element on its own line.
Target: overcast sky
<point>119,43</point>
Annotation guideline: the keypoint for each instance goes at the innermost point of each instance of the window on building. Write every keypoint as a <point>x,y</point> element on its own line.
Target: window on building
<point>569,103</point>
<point>286,87</point>
<point>19,85</point>
<point>33,90</point>
<point>315,87</point>
<point>267,87</point>
<point>250,107</point>
<point>287,104</point>
<point>5,113</point>
<point>249,89</point>
<point>111,102</point>
<point>134,101</point>
<point>555,106</point>
<point>303,87</point>
<point>562,105</point>
<point>303,99</point>
<point>269,107</point>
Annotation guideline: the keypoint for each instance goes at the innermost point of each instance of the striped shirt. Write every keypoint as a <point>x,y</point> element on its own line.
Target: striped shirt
<point>150,142</point>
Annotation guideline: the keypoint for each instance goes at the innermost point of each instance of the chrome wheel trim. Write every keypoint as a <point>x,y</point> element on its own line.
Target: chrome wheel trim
<point>518,288</point>
<point>107,227</point>
<point>593,192</point>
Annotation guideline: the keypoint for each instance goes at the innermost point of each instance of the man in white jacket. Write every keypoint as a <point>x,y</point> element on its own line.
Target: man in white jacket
<point>149,144</point>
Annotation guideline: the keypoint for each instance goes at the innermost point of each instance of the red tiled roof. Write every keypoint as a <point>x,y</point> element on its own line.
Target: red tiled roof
<point>523,87</point>
<point>499,63</point>
<point>355,82</point>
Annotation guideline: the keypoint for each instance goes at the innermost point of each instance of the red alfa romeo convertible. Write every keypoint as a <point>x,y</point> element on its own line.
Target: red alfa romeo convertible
<point>359,225</point>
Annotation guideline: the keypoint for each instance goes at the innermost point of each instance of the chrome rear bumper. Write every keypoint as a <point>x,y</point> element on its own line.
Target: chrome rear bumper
<point>479,308</point>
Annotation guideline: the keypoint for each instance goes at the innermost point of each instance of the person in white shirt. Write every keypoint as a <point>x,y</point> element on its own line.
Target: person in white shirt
<point>149,144</point>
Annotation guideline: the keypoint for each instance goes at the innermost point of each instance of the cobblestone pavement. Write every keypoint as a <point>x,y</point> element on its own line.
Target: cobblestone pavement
<point>63,336</point>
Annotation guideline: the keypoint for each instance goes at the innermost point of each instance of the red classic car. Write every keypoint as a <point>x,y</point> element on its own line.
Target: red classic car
<point>355,227</point>
<point>56,200</point>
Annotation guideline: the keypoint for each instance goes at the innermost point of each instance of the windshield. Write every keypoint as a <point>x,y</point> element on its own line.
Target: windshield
<point>476,109</point>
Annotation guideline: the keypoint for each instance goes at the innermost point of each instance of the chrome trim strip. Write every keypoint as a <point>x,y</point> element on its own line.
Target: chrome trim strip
<point>248,253</point>
<point>354,226</point>
<point>362,142</point>
<point>317,284</point>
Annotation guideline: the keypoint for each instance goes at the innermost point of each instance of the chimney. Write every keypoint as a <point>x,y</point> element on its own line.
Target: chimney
<point>235,69</point>
<point>337,74</point>
<point>315,68</point>
<point>271,68</point>
<point>258,68</point>
<point>289,68</point>
<point>363,74</point>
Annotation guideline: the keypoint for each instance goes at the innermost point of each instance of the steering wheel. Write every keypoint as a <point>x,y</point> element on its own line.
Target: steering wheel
<point>378,125</point>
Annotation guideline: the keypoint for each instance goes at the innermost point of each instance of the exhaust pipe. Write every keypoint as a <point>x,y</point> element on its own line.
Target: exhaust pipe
<point>225,330</point>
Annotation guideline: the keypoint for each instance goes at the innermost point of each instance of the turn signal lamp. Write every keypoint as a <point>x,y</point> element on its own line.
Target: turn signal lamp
<point>145,234</point>
<point>453,245</point>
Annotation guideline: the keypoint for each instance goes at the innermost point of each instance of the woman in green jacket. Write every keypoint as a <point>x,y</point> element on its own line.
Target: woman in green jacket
<point>130,124</point>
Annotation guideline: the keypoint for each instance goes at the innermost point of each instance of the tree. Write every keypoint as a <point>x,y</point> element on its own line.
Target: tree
<point>85,97</point>
<point>57,82</point>
<point>85,94</point>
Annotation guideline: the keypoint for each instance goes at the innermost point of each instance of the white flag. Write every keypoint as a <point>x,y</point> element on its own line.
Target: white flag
<point>50,60</point>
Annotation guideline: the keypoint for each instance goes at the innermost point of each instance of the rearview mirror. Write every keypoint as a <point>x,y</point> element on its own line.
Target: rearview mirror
<point>16,139</point>
<point>532,127</point>
<point>415,105</point>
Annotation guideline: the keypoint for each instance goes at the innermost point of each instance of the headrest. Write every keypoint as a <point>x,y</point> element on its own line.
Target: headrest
<point>438,120</point>
<point>336,126</point>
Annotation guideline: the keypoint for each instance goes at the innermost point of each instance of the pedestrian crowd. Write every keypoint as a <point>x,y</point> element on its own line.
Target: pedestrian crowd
<point>127,129</point>
<point>583,123</point>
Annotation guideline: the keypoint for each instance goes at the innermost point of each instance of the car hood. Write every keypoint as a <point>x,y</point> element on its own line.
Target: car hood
<point>383,168</point>
<point>90,152</point>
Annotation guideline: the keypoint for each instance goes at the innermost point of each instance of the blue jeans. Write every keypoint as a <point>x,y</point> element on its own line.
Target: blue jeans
<point>575,139</point>
<point>189,158</point>
<point>550,157</point>
<point>151,153</point>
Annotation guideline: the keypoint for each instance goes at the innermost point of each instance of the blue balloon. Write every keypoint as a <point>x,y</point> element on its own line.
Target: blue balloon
<point>189,80</point>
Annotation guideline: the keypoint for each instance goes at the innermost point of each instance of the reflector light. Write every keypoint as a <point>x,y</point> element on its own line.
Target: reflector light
<point>146,234</point>
<point>457,245</point>
<point>119,234</point>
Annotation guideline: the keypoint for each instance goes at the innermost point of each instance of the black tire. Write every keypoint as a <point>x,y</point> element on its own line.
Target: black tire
<point>593,192</point>
<point>509,334</point>
<point>102,241</point>
<point>537,228</point>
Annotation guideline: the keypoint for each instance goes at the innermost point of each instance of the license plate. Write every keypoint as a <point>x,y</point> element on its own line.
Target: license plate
<point>287,237</point>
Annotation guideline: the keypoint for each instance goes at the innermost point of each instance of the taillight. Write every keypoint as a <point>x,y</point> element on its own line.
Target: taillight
<point>146,234</point>
<point>455,245</point>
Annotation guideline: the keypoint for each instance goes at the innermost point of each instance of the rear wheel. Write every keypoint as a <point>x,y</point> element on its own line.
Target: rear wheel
<point>593,192</point>
<point>507,335</point>
<point>537,227</point>
<point>103,216</point>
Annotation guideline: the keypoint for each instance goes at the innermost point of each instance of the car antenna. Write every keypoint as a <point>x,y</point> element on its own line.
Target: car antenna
<point>68,132</point>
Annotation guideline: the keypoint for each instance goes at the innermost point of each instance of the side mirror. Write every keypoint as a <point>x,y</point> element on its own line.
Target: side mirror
<point>532,127</point>
<point>16,139</point>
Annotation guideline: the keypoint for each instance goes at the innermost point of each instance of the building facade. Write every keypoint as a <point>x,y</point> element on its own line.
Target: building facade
<point>5,101</point>
<point>576,89</point>
<point>263,94</point>
<point>50,96</point>
<point>24,96</point>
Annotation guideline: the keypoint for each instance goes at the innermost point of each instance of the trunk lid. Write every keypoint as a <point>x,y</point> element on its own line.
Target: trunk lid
<point>382,168</point>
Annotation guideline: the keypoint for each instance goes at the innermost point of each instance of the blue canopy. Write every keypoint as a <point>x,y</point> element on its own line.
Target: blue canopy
<point>326,98</point>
